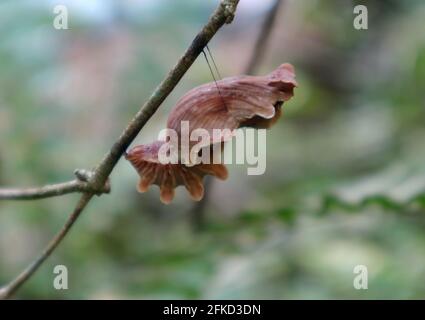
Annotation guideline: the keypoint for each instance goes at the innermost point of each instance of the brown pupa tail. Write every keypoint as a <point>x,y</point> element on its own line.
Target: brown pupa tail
<point>283,78</point>
<point>169,176</point>
<point>282,81</point>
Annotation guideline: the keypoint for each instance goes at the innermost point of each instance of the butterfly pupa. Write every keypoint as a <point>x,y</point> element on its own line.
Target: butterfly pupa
<point>241,101</point>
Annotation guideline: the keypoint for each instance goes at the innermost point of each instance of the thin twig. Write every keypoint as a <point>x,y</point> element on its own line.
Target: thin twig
<point>16,283</point>
<point>263,37</point>
<point>197,212</point>
<point>53,190</point>
<point>223,14</point>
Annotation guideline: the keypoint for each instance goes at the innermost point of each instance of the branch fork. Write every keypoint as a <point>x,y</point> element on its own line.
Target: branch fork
<point>85,177</point>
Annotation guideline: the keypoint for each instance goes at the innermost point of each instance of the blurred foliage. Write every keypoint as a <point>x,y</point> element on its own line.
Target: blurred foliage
<point>345,179</point>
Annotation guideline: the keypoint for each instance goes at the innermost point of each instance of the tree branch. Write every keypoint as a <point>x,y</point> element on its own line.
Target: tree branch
<point>223,14</point>
<point>53,190</point>
<point>7,291</point>
<point>263,37</point>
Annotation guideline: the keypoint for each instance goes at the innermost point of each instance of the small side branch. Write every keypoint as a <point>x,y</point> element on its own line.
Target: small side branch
<point>80,184</point>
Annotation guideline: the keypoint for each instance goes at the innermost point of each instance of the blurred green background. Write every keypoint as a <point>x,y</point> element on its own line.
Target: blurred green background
<point>345,178</point>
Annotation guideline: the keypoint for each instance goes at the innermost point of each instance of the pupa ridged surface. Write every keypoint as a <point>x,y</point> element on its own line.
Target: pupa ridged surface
<point>241,101</point>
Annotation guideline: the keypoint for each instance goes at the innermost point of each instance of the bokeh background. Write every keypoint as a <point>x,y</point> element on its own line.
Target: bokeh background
<point>345,179</point>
